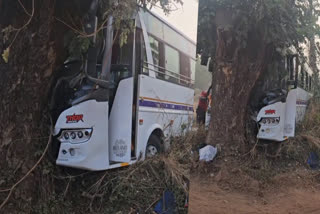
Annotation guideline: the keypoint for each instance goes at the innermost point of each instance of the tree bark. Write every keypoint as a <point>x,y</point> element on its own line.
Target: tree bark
<point>24,88</point>
<point>313,57</point>
<point>237,70</point>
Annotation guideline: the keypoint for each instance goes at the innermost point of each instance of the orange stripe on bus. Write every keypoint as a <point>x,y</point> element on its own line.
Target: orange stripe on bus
<point>166,101</point>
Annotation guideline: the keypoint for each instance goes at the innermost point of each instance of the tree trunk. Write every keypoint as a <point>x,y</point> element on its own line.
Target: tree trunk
<point>312,55</point>
<point>313,64</point>
<point>236,72</point>
<point>24,87</point>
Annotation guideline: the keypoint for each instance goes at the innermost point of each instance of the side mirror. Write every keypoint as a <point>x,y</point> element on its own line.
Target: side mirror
<point>204,60</point>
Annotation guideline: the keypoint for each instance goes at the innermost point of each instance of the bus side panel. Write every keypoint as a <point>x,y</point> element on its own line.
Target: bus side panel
<point>163,105</point>
<point>290,121</point>
<point>302,100</point>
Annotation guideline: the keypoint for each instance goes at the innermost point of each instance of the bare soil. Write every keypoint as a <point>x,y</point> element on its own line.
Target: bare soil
<point>206,198</point>
<point>260,177</point>
<point>234,191</point>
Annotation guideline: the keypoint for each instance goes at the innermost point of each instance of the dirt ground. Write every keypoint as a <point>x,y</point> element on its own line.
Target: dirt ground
<point>264,178</point>
<point>289,193</point>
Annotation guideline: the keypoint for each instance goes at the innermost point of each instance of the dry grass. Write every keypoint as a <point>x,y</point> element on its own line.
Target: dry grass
<point>263,162</point>
<point>132,189</point>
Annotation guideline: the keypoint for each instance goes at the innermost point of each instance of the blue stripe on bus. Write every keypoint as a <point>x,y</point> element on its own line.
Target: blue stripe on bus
<point>302,102</point>
<point>153,104</point>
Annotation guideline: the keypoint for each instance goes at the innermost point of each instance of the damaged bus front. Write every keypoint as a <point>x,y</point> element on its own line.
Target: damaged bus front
<point>284,108</point>
<point>121,104</point>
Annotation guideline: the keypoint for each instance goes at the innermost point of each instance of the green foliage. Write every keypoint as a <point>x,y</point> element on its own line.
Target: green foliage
<point>166,5</point>
<point>281,23</point>
<point>122,12</point>
<point>76,45</point>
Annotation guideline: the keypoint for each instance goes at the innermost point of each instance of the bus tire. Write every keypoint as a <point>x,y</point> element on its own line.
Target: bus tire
<point>154,146</point>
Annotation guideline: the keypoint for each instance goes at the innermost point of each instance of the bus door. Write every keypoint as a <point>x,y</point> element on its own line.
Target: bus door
<point>290,113</point>
<point>121,99</point>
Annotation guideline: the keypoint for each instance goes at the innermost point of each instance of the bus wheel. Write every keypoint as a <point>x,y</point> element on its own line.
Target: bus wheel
<point>153,146</point>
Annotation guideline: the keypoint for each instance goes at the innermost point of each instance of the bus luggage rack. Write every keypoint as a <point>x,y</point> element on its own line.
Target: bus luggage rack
<point>170,76</point>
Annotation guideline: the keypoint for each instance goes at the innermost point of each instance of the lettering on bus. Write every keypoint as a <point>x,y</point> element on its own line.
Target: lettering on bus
<point>270,111</point>
<point>75,118</point>
<point>120,148</point>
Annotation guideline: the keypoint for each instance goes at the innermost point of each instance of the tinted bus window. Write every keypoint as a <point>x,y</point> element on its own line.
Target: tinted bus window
<point>154,45</point>
<point>193,69</point>
<point>185,68</point>
<point>310,83</point>
<point>172,63</point>
<point>122,55</point>
<point>301,77</point>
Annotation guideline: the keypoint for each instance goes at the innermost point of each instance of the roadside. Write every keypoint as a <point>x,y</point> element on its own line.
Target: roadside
<point>293,193</point>
<point>262,178</point>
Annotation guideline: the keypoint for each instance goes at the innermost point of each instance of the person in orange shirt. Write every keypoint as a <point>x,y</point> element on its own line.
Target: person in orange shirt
<point>209,95</point>
<point>205,101</point>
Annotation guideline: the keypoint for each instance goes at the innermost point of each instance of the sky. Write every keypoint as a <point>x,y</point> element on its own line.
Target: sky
<point>184,19</point>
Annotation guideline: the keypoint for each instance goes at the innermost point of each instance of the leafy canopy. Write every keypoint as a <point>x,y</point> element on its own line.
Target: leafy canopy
<point>122,12</point>
<point>282,23</point>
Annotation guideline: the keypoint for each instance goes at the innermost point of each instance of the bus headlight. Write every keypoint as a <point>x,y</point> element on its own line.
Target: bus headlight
<point>270,120</point>
<point>80,134</point>
<point>75,136</point>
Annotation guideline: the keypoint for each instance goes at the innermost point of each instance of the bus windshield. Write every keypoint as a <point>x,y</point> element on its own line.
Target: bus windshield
<point>122,54</point>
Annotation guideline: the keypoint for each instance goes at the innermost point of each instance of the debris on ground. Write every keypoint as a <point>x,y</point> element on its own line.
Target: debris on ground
<point>207,153</point>
<point>246,179</point>
<point>166,204</point>
<point>313,161</point>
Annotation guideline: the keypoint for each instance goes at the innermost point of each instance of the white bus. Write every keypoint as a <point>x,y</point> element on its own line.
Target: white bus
<point>286,107</point>
<point>131,99</point>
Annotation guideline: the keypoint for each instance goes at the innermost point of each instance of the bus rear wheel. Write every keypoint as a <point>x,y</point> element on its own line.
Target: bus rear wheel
<point>154,146</point>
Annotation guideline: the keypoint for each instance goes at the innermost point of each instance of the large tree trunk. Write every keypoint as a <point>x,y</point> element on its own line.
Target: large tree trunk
<point>36,51</point>
<point>23,91</point>
<point>25,83</point>
<point>236,72</point>
<point>312,55</point>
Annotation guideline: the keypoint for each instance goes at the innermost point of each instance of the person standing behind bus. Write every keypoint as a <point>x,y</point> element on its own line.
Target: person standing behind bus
<point>209,96</point>
<point>202,107</point>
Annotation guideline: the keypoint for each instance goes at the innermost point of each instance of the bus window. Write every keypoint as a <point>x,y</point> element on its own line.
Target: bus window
<point>121,62</point>
<point>291,68</point>
<point>141,55</point>
<point>122,55</point>
<point>154,44</point>
<point>296,71</point>
<point>185,68</point>
<point>310,84</point>
<point>307,81</point>
<point>301,77</point>
<point>172,64</point>
<point>144,53</point>
<point>193,69</point>
<point>157,56</point>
